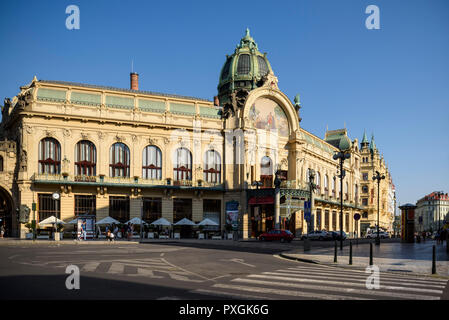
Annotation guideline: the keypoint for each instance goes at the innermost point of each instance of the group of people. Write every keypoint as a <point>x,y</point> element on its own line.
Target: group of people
<point>113,232</point>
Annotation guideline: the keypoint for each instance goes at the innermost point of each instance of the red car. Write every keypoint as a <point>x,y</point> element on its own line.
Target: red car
<point>276,234</point>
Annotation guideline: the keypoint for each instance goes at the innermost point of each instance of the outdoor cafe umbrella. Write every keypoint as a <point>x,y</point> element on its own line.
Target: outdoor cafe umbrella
<point>136,220</point>
<point>161,222</point>
<point>185,222</point>
<point>207,222</point>
<point>108,220</point>
<point>51,220</point>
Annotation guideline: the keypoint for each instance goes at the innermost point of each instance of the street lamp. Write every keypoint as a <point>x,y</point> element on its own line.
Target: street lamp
<point>312,187</point>
<point>378,177</point>
<point>344,146</point>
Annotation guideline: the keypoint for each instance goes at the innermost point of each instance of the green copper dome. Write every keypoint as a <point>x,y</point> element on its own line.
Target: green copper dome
<point>244,69</point>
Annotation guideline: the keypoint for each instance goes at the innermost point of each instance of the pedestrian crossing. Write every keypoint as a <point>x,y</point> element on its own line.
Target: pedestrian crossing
<point>326,282</point>
<point>153,268</point>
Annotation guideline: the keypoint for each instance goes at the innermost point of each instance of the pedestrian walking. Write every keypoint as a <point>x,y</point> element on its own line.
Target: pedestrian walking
<point>115,231</point>
<point>128,231</point>
<point>83,231</point>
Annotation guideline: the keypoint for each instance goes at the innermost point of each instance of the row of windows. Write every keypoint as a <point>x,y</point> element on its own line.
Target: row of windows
<point>334,185</point>
<point>119,207</point>
<point>119,161</point>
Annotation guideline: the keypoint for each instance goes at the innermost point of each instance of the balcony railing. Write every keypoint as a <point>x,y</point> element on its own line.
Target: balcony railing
<point>64,178</point>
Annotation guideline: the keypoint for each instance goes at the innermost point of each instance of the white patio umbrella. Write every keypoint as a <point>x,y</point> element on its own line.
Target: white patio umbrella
<point>136,220</point>
<point>161,222</point>
<point>207,222</point>
<point>74,221</point>
<point>185,222</point>
<point>51,220</point>
<point>108,220</point>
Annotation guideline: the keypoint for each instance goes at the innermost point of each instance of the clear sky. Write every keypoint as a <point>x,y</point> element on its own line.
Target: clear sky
<point>393,82</point>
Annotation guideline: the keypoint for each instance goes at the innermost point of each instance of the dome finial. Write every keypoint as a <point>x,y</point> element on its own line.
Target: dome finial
<point>247,33</point>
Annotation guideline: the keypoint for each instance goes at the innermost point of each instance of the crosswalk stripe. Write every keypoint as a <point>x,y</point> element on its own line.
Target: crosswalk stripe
<point>332,270</point>
<point>159,267</point>
<point>340,289</point>
<point>229,294</point>
<point>90,267</point>
<point>308,295</point>
<point>342,283</point>
<point>350,278</point>
<point>116,268</point>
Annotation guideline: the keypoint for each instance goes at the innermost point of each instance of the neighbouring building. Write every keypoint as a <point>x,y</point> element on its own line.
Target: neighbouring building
<point>432,211</point>
<point>372,161</point>
<point>127,152</point>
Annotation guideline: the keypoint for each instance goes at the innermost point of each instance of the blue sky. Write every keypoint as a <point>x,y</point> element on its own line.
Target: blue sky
<point>393,82</point>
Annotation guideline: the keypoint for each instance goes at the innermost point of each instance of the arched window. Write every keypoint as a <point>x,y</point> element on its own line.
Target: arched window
<point>266,172</point>
<point>152,163</point>
<point>318,181</point>
<point>326,184</point>
<point>356,193</point>
<point>333,186</point>
<point>182,164</point>
<point>49,156</point>
<point>85,158</point>
<point>346,191</point>
<point>119,160</point>
<point>212,167</point>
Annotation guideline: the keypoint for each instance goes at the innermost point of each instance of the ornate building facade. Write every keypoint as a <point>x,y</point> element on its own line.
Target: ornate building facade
<point>130,153</point>
<point>372,161</point>
<point>432,212</point>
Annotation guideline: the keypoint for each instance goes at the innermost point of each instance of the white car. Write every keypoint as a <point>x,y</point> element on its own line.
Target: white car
<point>316,235</point>
<point>382,235</point>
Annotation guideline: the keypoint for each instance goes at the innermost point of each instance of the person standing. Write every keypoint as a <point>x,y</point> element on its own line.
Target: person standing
<point>2,231</point>
<point>83,230</point>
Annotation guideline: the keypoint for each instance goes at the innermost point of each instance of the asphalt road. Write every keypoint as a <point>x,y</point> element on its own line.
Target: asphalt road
<point>191,271</point>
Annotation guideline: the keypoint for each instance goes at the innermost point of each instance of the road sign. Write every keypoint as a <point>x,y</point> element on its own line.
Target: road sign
<point>307,211</point>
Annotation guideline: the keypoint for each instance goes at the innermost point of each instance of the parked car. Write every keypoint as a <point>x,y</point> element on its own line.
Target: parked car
<point>316,235</point>
<point>336,235</point>
<point>382,235</point>
<point>277,234</point>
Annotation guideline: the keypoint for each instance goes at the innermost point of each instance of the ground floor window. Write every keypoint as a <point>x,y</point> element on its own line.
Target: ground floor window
<point>182,208</point>
<point>326,219</point>
<point>152,209</point>
<point>85,204</point>
<point>334,220</point>
<point>47,207</point>
<point>119,208</point>
<point>212,211</point>
<point>347,222</point>
<point>318,219</point>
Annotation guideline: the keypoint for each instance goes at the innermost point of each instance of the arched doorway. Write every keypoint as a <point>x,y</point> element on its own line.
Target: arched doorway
<point>6,207</point>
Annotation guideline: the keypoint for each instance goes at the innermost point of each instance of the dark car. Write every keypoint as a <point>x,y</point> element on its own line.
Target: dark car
<point>336,235</point>
<point>276,234</point>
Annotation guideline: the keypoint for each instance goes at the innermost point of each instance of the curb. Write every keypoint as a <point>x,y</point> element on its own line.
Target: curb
<point>286,256</point>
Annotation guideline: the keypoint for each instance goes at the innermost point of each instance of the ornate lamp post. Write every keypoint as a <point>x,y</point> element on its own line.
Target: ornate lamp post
<point>345,153</point>
<point>312,187</point>
<point>378,177</point>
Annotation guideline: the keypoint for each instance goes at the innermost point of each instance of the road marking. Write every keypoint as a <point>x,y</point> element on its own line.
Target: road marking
<point>187,271</point>
<point>241,261</point>
<point>168,298</point>
<point>343,283</point>
<point>90,267</point>
<point>339,289</point>
<point>287,292</point>
<point>116,268</point>
<point>229,295</point>
<point>348,277</point>
<point>334,270</point>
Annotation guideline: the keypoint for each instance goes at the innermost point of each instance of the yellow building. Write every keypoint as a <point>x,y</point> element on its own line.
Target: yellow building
<point>372,161</point>
<point>126,153</point>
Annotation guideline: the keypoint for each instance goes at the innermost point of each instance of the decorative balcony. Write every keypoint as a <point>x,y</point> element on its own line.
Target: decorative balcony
<point>103,180</point>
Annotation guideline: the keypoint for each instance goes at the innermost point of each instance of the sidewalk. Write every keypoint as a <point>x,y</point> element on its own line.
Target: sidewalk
<point>415,258</point>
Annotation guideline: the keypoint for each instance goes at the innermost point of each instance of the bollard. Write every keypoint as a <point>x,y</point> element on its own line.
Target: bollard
<point>370,253</point>
<point>335,252</point>
<point>434,266</point>
<point>350,252</point>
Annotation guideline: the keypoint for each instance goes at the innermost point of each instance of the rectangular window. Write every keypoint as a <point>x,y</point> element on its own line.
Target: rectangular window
<point>318,219</point>
<point>212,211</point>
<point>365,176</point>
<point>182,208</point>
<point>119,208</point>
<point>334,220</point>
<point>47,207</point>
<point>85,205</point>
<point>346,222</point>
<point>365,201</point>
<point>326,220</point>
<point>152,209</point>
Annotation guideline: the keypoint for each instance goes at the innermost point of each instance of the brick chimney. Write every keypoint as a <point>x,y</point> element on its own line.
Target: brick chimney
<point>134,77</point>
